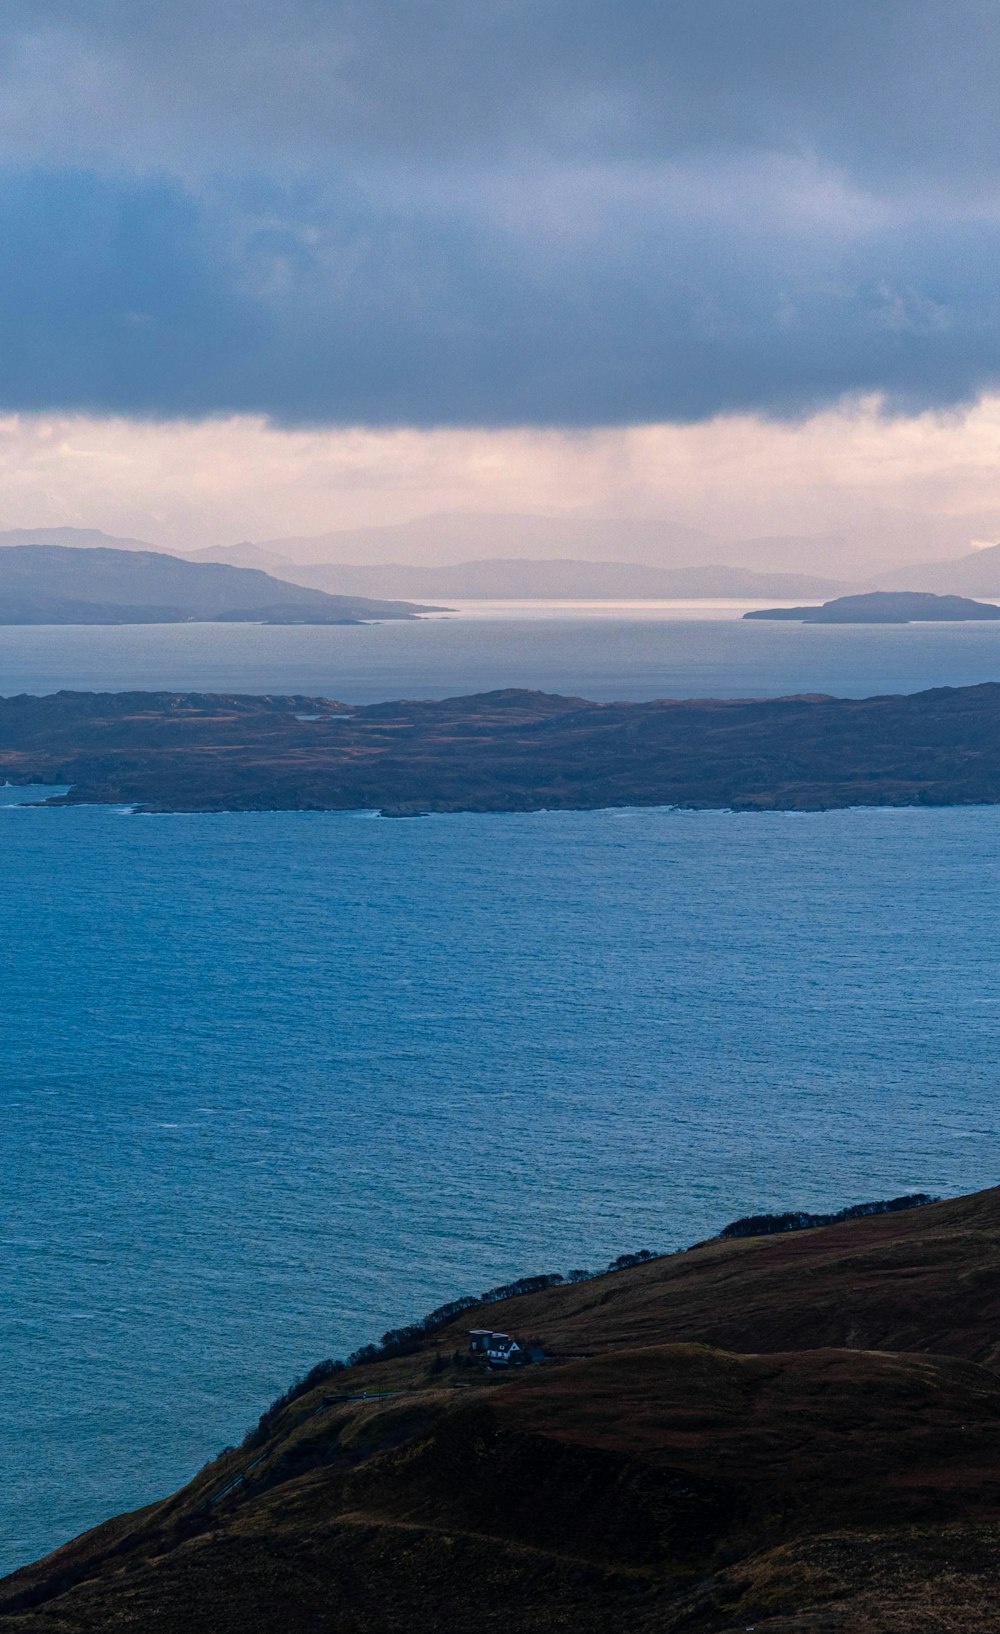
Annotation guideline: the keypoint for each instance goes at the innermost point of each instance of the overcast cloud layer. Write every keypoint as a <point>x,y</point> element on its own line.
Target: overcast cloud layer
<point>555,212</point>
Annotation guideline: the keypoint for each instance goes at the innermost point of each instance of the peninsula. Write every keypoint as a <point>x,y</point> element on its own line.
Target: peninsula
<point>885,607</point>
<point>63,584</point>
<point>797,1432</point>
<point>505,751</point>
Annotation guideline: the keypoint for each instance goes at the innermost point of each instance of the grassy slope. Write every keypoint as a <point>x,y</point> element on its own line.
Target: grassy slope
<point>799,1433</point>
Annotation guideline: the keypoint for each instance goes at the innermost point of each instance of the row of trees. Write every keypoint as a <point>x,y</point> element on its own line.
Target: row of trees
<point>765,1225</point>
<point>403,1341</point>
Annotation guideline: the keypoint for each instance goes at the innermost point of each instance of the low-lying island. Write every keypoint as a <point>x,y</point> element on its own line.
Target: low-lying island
<point>505,751</point>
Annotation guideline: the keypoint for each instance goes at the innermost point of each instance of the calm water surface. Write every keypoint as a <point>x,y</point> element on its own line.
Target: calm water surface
<point>273,1082</point>
<point>634,651</point>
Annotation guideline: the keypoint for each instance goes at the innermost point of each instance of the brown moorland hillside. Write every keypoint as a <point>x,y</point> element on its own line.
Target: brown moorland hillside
<point>506,751</point>
<point>796,1433</point>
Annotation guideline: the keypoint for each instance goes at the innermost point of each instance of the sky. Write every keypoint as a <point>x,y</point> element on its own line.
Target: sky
<point>277,266</point>
<point>185,485</point>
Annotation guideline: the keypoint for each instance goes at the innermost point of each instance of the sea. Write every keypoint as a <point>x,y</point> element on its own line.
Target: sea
<point>272,1083</point>
<point>587,649</point>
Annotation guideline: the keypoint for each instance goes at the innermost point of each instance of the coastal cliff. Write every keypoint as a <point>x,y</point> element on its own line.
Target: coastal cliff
<point>799,1432</point>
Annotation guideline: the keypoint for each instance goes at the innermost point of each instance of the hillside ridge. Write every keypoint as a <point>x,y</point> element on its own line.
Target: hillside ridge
<point>799,1430</point>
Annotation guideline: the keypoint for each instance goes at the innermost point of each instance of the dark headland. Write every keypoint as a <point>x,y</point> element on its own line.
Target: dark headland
<point>505,751</point>
<point>886,607</point>
<point>797,1432</point>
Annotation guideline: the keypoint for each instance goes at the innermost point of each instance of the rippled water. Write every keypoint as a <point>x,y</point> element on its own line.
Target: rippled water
<point>273,1082</point>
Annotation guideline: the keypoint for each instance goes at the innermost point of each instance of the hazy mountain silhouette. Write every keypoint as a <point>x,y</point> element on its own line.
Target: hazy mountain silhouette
<point>74,538</point>
<point>500,578</point>
<point>54,584</point>
<point>872,541</point>
<point>977,574</point>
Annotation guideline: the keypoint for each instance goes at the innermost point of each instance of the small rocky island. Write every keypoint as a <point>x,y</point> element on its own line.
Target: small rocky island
<point>885,607</point>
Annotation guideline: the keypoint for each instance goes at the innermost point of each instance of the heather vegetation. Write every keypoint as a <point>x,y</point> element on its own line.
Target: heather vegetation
<point>403,1341</point>
<point>782,1432</point>
<point>408,1338</point>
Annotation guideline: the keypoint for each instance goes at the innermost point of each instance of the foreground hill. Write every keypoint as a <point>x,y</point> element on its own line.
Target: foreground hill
<point>885,607</point>
<point>62,584</point>
<point>795,1433</point>
<point>506,751</point>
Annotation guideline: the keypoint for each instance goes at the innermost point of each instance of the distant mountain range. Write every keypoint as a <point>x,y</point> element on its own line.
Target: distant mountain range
<point>877,542</point>
<point>73,538</point>
<point>456,537</point>
<point>977,574</point>
<point>542,572</point>
<point>503,579</point>
<point>529,557</point>
<point>58,584</point>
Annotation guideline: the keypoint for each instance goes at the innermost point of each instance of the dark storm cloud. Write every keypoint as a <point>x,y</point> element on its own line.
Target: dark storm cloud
<point>577,212</point>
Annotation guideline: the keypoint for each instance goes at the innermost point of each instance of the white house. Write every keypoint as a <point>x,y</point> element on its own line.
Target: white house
<point>499,1349</point>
